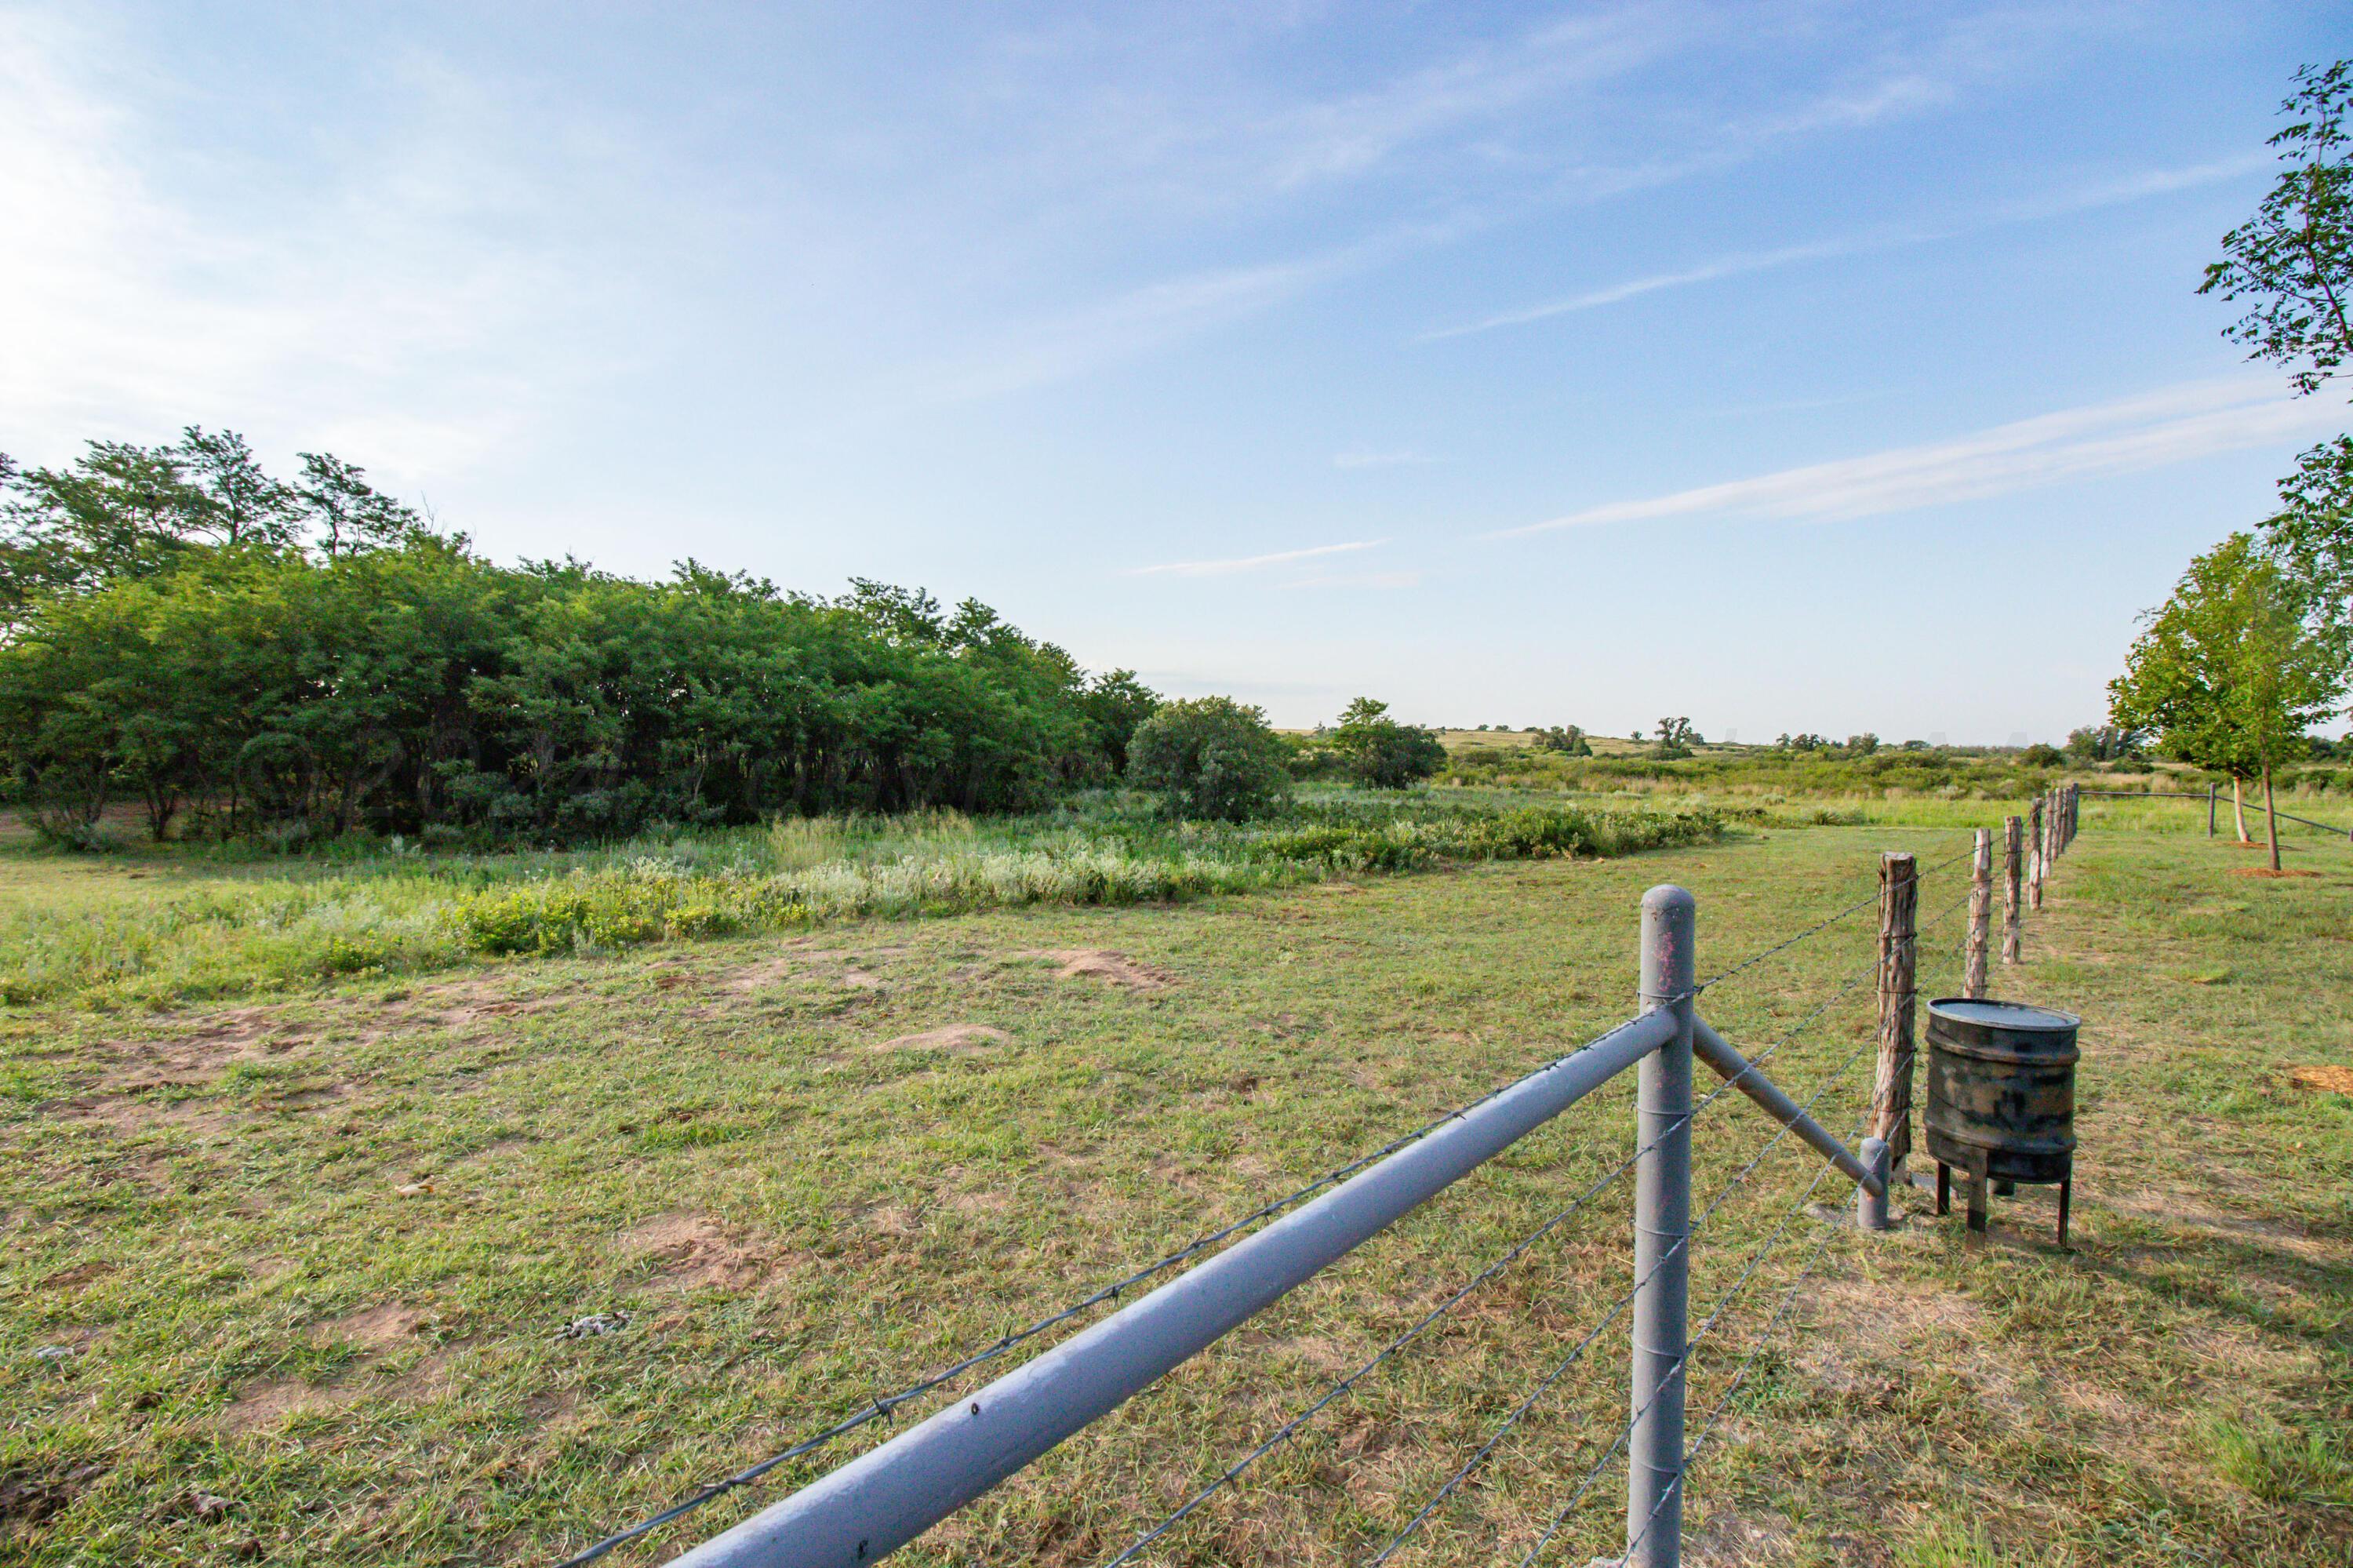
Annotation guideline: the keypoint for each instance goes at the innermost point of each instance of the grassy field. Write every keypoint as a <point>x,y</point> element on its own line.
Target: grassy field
<point>286,1280</point>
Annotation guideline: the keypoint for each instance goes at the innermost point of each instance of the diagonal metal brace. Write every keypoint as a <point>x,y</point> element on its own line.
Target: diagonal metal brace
<point>1736,1069</point>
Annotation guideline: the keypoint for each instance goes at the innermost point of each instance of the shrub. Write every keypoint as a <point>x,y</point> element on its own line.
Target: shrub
<point>1210,757</point>
<point>1382,754</point>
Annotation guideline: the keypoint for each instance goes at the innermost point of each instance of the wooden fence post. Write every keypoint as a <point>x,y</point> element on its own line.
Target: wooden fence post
<point>1890,1092</point>
<point>2034,842</point>
<point>1974,955</point>
<point>2212,800</point>
<point>2013,846</point>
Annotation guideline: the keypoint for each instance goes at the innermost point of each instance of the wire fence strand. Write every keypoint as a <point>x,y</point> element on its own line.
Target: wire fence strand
<point>1576,1352</point>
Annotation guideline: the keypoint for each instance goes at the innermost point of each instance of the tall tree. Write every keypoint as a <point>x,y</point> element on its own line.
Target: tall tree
<point>350,514</point>
<point>242,505</point>
<point>2233,670</point>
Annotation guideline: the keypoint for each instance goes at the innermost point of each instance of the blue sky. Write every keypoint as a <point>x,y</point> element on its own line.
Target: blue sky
<point>1790,366</point>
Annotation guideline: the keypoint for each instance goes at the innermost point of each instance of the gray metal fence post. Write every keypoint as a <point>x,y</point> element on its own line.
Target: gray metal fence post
<point>1654,1504</point>
<point>1871,1208</point>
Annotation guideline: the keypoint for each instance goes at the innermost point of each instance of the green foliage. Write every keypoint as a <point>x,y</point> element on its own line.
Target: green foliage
<point>1210,758</point>
<point>387,909</point>
<point>1567,741</point>
<point>2042,755</point>
<point>1379,753</point>
<point>418,689</point>
<point>2312,531</point>
<point>2294,256</point>
<point>1676,737</point>
<point>2231,671</point>
<point>2102,743</point>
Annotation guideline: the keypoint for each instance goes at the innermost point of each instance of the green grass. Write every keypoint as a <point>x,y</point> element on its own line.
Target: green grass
<point>212,927</point>
<point>309,1257</point>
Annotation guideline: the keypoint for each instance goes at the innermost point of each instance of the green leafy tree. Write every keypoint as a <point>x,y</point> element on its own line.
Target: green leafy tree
<point>1568,740</point>
<point>350,514</point>
<point>1211,758</point>
<point>1674,737</point>
<point>241,504</point>
<point>2232,671</point>
<point>1116,705</point>
<point>1379,753</point>
<point>2292,263</point>
<point>2295,257</point>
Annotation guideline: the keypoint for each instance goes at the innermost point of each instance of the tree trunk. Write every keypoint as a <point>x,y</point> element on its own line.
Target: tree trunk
<point>2270,814</point>
<point>2238,809</point>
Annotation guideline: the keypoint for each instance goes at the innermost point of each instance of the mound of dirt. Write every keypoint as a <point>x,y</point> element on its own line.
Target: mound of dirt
<point>954,1037</point>
<point>2326,1078</point>
<point>1101,963</point>
<point>2267,871</point>
<point>694,1252</point>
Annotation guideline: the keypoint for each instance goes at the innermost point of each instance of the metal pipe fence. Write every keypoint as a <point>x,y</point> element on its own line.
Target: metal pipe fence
<point>889,1495</point>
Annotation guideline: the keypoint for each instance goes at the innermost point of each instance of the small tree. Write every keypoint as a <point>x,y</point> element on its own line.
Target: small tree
<point>2231,670</point>
<point>1566,739</point>
<point>1382,754</point>
<point>1117,705</point>
<point>1675,738</point>
<point>1210,757</point>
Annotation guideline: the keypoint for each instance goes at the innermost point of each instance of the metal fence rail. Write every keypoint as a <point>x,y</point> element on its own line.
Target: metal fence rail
<point>889,1495</point>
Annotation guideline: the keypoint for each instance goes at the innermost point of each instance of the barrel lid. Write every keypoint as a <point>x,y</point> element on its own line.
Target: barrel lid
<point>2001,1014</point>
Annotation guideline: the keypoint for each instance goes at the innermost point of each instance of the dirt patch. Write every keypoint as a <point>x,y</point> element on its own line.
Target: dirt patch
<point>1101,963</point>
<point>273,1400</point>
<point>1729,1540</point>
<point>2264,870</point>
<point>1871,1336</point>
<point>200,1055</point>
<point>29,1495</point>
<point>376,1328</point>
<point>694,1252</point>
<point>2324,1079</point>
<point>954,1037</point>
<point>80,1273</point>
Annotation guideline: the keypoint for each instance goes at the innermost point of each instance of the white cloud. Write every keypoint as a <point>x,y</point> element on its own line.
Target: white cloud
<point>2171,425</point>
<point>2112,193</point>
<point>1249,563</point>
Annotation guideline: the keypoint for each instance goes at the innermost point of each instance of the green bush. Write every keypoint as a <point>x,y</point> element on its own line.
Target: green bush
<point>1379,753</point>
<point>1210,758</point>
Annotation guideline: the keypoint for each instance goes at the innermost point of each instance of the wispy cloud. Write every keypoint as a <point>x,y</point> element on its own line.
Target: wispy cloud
<point>2113,193</point>
<point>2169,425</point>
<point>1359,580</point>
<point>1249,563</point>
<point>1374,457</point>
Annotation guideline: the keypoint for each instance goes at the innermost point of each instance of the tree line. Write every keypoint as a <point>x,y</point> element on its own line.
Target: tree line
<point>297,660</point>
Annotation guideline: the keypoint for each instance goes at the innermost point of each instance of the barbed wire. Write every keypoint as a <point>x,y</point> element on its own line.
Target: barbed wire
<point>1676,1370</point>
<point>1707,1424</point>
<point>884,1405</point>
<point>1576,1352</point>
<point>1818,926</point>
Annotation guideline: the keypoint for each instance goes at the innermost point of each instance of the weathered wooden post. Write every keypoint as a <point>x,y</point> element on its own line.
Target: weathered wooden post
<point>2035,861</point>
<point>1980,939</point>
<point>1890,1092</point>
<point>2213,798</point>
<point>2074,810</point>
<point>2013,845</point>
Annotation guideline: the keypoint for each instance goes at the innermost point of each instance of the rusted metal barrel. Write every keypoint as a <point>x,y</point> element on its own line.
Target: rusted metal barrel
<point>2001,1098</point>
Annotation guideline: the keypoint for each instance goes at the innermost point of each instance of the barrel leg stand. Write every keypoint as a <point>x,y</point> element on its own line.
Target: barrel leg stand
<point>2066,1194</point>
<point>1944,1188</point>
<point>1978,1185</point>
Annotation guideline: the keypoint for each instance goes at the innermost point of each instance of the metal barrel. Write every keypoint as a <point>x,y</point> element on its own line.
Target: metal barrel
<point>2001,1082</point>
